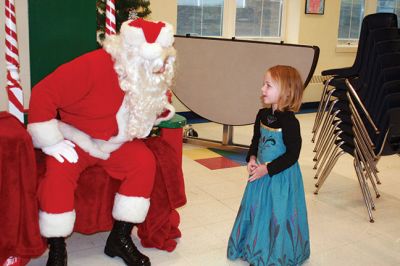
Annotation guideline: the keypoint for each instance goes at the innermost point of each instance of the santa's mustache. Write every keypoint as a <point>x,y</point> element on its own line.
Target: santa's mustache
<point>146,97</point>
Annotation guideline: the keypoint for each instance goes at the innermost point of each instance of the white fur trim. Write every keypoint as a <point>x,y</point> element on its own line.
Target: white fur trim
<point>151,51</point>
<point>135,36</point>
<point>45,133</point>
<point>56,224</point>
<point>83,140</point>
<point>115,142</point>
<point>168,117</point>
<point>131,35</point>
<point>96,147</point>
<point>122,121</point>
<point>130,209</point>
<point>166,36</point>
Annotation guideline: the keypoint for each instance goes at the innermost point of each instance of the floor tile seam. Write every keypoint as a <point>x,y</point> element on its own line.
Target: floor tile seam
<point>230,207</point>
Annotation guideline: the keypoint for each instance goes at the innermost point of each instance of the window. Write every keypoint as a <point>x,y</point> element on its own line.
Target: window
<point>258,18</point>
<point>389,6</point>
<point>244,18</point>
<point>200,17</point>
<point>351,16</point>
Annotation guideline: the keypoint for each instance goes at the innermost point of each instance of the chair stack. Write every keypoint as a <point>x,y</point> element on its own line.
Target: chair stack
<point>359,111</point>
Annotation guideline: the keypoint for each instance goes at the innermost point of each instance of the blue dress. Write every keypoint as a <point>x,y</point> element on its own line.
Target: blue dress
<point>271,226</point>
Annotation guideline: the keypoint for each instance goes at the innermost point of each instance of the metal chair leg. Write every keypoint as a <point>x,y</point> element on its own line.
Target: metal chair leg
<point>362,184</point>
<point>327,170</point>
<point>323,114</point>
<point>327,124</point>
<point>327,152</point>
<point>355,95</point>
<point>327,160</point>
<point>328,139</point>
<point>366,169</point>
<point>323,101</point>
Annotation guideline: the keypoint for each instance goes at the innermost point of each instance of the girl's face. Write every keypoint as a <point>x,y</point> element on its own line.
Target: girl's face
<point>270,91</point>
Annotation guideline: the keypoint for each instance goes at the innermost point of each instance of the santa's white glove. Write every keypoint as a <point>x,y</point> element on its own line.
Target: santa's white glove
<point>63,149</point>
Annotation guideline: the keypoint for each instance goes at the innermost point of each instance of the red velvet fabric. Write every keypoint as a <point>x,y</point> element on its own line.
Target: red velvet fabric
<point>15,261</point>
<point>19,230</point>
<point>160,229</point>
<point>173,136</point>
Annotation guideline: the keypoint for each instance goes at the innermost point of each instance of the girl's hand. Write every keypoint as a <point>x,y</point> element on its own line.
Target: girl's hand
<point>251,165</point>
<point>259,172</point>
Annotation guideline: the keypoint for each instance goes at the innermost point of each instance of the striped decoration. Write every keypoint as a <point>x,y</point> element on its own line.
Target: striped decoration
<point>110,17</point>
<point>14,89</point>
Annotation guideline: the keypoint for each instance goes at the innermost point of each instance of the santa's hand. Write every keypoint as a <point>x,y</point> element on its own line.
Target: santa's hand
<point>63,149</point>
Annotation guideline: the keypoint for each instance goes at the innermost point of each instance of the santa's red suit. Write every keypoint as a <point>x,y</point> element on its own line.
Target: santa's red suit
<point>87,95</point>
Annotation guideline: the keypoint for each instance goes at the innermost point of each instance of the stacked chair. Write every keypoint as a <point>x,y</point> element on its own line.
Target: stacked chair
<point>359,111</point>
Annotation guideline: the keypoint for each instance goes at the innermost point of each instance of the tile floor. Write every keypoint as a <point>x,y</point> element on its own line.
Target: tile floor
<point>339,228</point>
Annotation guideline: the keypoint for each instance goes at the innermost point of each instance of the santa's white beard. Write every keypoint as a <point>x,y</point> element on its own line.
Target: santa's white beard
<point>145,92</point>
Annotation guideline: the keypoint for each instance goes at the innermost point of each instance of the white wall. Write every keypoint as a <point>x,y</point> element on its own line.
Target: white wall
<point>23,43</point>
<point>293,12</point>
<point>300,28</point>
<point>165,10</point>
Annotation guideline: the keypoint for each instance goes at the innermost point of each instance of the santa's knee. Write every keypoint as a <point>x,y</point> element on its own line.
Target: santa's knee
<point>55,195</point>
<point>138,181</point>
<point>146,161</point>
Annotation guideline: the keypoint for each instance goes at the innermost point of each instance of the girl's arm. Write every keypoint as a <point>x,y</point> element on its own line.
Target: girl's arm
<point>256,137</point>
<point>292,140</point>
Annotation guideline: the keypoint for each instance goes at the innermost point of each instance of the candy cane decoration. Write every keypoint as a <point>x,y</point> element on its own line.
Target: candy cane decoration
<point>14,89</point>
<point>110,17</point>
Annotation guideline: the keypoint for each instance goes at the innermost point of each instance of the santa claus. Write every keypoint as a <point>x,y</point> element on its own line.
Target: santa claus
<point>106,101</point>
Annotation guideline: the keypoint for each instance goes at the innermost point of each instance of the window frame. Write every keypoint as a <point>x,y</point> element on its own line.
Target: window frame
<point>351,45</point>
<point>229,24</point>
<point>348,42</point>
<point>397,8</point>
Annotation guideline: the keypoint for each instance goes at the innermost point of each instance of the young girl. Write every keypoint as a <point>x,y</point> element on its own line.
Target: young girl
<point>271,226</point>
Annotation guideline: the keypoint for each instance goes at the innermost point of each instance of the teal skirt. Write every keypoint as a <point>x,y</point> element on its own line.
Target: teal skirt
<point>271,226</point>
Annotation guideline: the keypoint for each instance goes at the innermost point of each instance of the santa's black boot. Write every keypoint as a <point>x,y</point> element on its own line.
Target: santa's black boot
<point>119,243</point>
<point>57,252</point>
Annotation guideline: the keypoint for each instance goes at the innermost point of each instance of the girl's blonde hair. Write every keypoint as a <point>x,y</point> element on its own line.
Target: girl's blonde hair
<point>291,87</point>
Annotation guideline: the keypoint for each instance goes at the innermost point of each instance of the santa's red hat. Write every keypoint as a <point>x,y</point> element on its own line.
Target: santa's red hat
<point>151,37</point>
